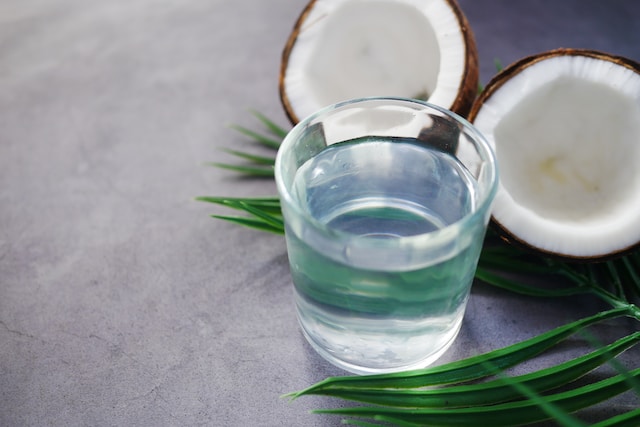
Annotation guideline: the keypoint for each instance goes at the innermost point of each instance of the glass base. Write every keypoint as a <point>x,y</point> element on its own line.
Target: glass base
<point>365,368</point>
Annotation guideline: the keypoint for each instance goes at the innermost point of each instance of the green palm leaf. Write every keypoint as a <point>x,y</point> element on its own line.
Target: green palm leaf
<point>264,212</point>
<point>278,131</point>
<point>506,414</point>
<point>496,391</point>
<point>254,223</point>
<point>261,139</point>
<point>255,171</point>
<point>263,160</point>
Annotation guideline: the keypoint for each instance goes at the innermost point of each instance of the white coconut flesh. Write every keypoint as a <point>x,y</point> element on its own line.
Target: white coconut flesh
<point>566,132</point>
<point>359,48</point>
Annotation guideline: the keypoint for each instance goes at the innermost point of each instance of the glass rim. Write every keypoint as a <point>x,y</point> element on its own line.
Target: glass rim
<point>486,152</point>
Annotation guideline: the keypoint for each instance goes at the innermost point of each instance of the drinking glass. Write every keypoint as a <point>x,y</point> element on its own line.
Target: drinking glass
<point>386,203</point>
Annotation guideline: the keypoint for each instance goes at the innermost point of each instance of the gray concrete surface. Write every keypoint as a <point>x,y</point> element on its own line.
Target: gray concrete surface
<point>121,302</point>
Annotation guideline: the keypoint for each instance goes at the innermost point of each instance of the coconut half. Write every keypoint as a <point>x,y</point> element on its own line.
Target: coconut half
<point>565,126</point>
<point>345,49</point>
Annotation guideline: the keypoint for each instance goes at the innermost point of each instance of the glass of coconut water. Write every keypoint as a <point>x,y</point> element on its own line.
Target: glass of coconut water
<point>386,202</point>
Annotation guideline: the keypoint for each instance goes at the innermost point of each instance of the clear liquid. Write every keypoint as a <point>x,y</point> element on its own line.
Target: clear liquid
<point>372,318</point>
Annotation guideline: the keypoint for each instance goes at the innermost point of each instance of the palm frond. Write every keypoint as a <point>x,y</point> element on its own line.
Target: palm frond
<point>255,223</point>
<point>268,142</point>
<point>254,158</point>
<point>275,129</point>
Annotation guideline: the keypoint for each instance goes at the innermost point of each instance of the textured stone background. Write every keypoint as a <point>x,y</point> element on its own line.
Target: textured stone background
<point>121,301</point>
